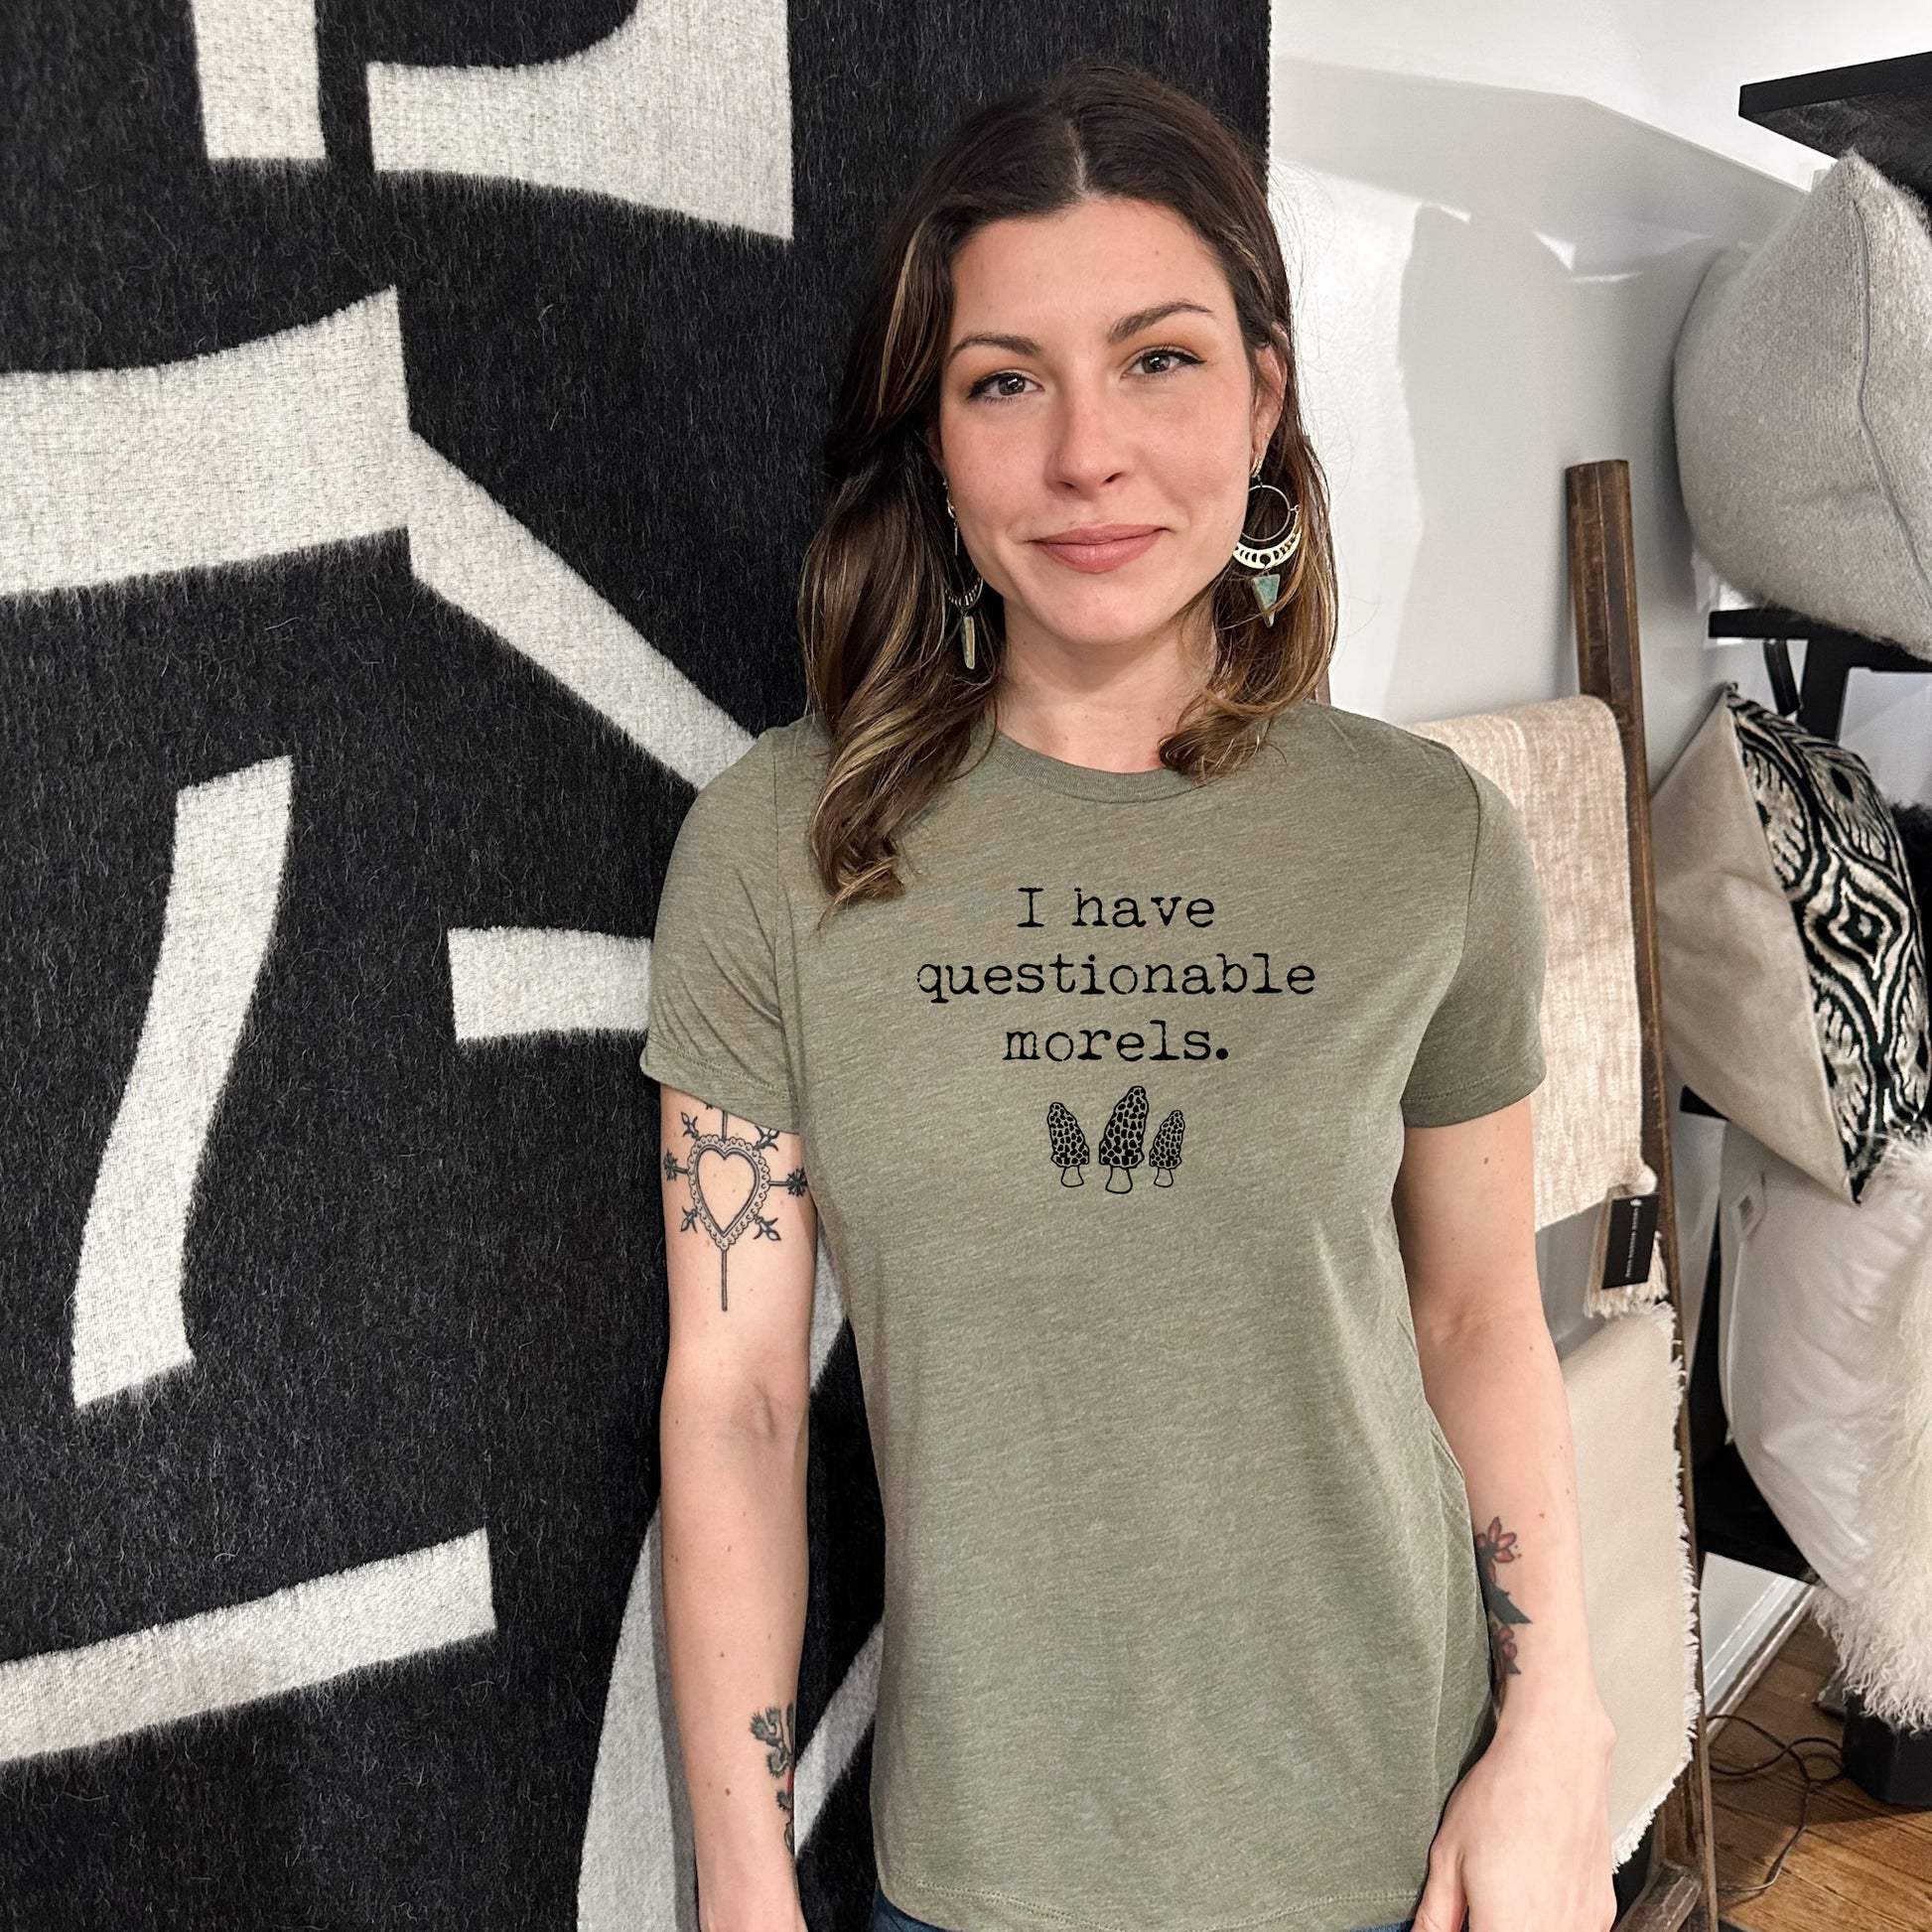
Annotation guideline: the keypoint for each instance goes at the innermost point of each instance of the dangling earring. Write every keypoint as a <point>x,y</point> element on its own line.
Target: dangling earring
<point>963,604</point>
<point>1265,556</point>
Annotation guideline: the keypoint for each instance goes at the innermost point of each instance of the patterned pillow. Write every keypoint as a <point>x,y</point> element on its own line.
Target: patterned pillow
<point>1792,958</point>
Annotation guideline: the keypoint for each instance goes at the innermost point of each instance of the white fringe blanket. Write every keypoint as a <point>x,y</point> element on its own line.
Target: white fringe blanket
<point>1560,764</point>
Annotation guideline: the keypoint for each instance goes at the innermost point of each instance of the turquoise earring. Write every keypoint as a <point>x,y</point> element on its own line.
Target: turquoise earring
<point>1265,556</point>
<point>963,604</point>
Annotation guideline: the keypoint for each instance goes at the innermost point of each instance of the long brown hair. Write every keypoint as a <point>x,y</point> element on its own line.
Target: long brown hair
<point>882,668</point>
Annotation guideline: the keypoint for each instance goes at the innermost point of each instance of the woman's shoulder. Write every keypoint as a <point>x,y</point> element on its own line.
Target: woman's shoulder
<point>1399,764</point>
<point>798,753</point>
<point>805,742</point>
<point>757,779</point>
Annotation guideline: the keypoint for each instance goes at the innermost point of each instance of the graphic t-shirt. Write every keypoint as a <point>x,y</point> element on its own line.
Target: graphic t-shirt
<point>1183,1623</point>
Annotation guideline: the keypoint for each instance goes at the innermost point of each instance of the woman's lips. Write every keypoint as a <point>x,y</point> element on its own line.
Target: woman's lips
<point>1109,554</point>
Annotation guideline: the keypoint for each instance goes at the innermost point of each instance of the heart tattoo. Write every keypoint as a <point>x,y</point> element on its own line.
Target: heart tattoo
<point>725,1147</point>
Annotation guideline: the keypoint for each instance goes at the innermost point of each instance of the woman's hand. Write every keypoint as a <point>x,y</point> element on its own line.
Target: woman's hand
<point>1524,1844</point>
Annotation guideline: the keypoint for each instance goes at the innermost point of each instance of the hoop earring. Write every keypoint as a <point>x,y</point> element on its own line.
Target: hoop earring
<point>1265,556</point>
<point>964,604</point>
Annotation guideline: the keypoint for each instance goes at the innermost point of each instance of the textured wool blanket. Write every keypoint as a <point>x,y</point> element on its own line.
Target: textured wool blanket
<point>409,432</point>
<point>1639,1578</point>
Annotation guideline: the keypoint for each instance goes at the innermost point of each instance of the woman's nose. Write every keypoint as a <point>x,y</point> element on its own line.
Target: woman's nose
<point>1087,447</point>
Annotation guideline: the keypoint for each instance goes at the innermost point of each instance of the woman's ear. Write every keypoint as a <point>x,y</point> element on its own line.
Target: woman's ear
<point>1270,392</point>
<point>929,439</point>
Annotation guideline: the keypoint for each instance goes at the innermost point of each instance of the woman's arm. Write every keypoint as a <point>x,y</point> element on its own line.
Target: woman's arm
<point>1525,1835</point>
<point>732,1429</point>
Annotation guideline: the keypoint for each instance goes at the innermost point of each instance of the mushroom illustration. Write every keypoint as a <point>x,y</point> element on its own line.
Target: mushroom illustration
<point>1164,1157</point>
<point>1066,1145</point>
<point>1120,1144</point>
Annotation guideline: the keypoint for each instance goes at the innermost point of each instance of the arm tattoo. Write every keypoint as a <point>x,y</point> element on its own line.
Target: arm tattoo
<point>1494,1547</point>
<point>768,1728</point>
<point>726,1147</point>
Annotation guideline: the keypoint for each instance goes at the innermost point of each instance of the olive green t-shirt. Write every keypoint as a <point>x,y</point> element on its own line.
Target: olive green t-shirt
<point>1183,1623</point>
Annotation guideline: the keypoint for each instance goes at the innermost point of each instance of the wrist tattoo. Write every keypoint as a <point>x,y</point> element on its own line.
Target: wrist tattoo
<point>769,1727</point>
<point>1493,1546</point>
<point>726,1147</point>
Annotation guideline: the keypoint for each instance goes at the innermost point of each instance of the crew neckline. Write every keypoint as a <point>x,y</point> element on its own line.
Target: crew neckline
<point>1078,780</point>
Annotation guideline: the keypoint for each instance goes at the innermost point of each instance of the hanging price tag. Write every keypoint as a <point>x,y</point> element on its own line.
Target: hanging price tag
<point>1630,1234</point>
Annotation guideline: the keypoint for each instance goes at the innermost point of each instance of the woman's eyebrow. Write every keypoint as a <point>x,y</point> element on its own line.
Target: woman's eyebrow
<point>1127,326</point>
<point>1147,317</point>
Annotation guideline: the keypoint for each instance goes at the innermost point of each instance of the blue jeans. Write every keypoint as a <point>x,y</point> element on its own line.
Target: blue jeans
<point>887,1918</point>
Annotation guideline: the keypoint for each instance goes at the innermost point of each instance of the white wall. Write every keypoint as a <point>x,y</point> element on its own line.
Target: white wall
<point>1491,282</point>
<point>1660,61</point>
<point>1496,217</point>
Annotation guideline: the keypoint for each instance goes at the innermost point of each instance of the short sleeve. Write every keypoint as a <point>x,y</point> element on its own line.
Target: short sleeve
<point>716,1025</point>
<point>1484,1044</point>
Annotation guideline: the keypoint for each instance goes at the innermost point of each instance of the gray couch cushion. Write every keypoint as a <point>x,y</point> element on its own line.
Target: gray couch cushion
<point>1803,389</point>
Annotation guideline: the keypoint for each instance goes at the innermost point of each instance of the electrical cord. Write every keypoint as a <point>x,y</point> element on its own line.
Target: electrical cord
<point>1811,1783</point>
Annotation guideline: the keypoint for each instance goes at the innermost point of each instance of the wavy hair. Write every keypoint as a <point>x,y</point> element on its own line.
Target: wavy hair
<point>881,671</point>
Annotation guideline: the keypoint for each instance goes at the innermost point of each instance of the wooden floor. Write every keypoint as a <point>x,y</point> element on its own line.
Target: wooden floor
<point>1860,1866</point>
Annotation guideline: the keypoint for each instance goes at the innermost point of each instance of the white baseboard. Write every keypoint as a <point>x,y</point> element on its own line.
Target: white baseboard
<point>1747,1615</point>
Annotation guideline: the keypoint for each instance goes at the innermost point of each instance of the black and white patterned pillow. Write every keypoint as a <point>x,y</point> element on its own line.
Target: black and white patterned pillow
<point>1838,854</point>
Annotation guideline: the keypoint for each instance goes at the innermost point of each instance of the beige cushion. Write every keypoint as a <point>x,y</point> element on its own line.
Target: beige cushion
<point>1560,764</point>
<point>1803,390</point>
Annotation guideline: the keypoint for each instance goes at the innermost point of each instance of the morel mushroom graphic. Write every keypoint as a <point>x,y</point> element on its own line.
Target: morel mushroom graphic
<point>1120,1144</point>
<point>1066,1145</point>
<point>1164,1157</point>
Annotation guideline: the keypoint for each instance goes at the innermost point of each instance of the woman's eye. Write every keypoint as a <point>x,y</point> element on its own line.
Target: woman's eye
<point>984,387</point>
<point>994,385</point>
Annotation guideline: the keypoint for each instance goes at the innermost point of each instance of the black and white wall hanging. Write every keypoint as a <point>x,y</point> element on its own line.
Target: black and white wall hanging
<point>408,436</point>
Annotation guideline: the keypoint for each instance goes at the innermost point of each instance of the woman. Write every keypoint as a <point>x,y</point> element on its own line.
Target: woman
<point>1152,1043</point>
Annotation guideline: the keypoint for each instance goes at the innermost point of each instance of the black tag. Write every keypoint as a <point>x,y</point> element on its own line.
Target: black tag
<point>1632,1235</point>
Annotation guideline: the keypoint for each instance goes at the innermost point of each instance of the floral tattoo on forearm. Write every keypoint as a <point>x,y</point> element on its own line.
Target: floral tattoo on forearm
<point>726,1147</point>
<point>1493,1546</point>
<point>770,1728</point>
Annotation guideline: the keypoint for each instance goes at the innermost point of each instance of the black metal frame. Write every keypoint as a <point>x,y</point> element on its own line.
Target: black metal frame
<point>1883,108</point>
<point>1831,655</point>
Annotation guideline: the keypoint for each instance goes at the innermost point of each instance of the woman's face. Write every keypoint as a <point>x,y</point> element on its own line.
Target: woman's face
<point>1098,418</point>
